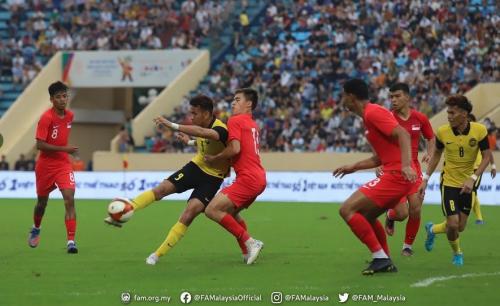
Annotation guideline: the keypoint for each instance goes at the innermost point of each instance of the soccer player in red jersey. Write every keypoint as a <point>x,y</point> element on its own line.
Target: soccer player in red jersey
<point>392,150</point>
<point>53,167</point>
<point>243,150</point>
<point>417,125</point>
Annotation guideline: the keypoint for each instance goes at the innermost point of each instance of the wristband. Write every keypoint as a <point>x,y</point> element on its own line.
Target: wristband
<point>474,177</point>
<point>426,176</point>
<point>175,126</point>
<point>192,142</point>
<point>493,166</point>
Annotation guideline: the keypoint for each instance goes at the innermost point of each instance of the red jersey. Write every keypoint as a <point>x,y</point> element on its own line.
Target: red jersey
<point>246,163</point>
<point>417,124</point>
<point>380,123</point>
<point>55,131</point>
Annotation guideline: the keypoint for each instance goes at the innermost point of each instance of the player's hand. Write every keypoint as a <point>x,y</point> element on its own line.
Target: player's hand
<point>409,174</point>
<point>467,186</point>
<point>421,189</point>
<point>183,137</point>
<point>426,158</point>
<point>162,121</point>
<point>378,171</point>
<point>493,172</point>
<point>341,171</point>
<point>71,149</point>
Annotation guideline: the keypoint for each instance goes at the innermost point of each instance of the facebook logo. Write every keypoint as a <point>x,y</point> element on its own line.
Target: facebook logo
<point>185,297</point>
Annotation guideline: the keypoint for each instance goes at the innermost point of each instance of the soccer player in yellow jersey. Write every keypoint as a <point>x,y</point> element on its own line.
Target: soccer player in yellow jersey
<point>461,141</point>
<point>476,208</point>
<point>204,179</point>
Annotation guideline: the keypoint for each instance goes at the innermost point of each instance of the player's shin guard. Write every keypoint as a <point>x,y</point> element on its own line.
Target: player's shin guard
<point>439,228</point>
<point>455,245</point>
<point>143,200</point>
<point>232,226</point>
<point>174,236</point>
<point>412,227</point>
<point>364,231</point>
<point>379,231</point>
<point>70,228</point>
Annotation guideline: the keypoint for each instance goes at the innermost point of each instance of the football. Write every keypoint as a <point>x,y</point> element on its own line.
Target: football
<point>120,210</point>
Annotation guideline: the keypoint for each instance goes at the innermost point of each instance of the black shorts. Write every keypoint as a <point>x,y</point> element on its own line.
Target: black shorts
<point>192,177</point>
<point>452,202</point>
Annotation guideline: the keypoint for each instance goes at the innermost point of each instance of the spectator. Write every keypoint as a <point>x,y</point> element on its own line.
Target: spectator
<point>30,163</point>
<point>4,165</point>
<point>21,164</point>
<point>123,140</point>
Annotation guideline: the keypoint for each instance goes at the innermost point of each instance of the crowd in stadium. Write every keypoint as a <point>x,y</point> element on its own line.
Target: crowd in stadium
<point>297,57</point>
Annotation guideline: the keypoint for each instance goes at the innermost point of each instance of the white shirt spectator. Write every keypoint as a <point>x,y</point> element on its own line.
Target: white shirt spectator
<point>62,41</point>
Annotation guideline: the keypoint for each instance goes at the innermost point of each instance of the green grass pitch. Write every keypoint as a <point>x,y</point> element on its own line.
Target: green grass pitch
<point>308,250</point>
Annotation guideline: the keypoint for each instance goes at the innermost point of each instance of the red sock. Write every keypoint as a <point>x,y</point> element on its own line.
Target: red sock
<point>380,233</point>
<point>70,228</point>
<point>412,227</point>
<point>391,213</point>
<point>243,247</point>
<point>232,226</point>
<point>37,220</point>
<point>363,230</point>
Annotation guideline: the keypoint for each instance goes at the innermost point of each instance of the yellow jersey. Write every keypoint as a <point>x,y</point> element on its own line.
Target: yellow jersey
<point>212,147</point>
<point>460,151</point>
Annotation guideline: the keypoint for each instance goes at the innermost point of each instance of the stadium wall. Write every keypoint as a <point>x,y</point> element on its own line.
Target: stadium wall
<point>168,99</point>
<point>18,124</point>
<point>281,186</point>
<point>109,161</point>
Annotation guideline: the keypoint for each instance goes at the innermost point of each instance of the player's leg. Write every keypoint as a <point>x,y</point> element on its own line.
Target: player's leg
<point>243,247</point>
<point>398,213</point>
<point>476,206</point>
<point>177,232</point>
<point>39,211</point>
<point>70,219</point>
<point>413,223</point>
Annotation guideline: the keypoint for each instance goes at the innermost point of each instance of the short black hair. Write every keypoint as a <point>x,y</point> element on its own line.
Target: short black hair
<point>459,101</point>
<point>250,94</point>
<point>472,118</point>
<point>400,86</point>
<point>57,87</point>
<point>203,102</point>
<point>357,87</point>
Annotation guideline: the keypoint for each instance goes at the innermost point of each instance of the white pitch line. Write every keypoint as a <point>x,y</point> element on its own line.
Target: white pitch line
<point>429,281</point>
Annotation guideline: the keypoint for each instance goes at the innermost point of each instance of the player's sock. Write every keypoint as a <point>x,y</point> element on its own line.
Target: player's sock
<point>412,227</point>
<point>242,244</point>
<point>476,207</point>
<point>143,200</point>
<point>379,231</point>
<point>232,226</point>
<point>37,220</point>
<point>70,228</point>
<point>439,228</point>
<point>379,254</point>
<point>455,245</point>
<point>391,214</point>
<point>174,236</point>
<point>364,231</point>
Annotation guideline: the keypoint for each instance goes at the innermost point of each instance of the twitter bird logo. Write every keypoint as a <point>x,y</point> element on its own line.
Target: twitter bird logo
<point>343,297</point>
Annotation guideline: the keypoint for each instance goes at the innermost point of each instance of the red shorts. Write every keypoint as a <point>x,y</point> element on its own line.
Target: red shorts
<point>46,181</point>
<point>244,191</point>
<point>387,190</point>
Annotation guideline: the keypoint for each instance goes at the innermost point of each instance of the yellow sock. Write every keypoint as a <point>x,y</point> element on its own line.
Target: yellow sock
<point>143,200</point>
<point>476,207</point>
<point>176,233</point>
<point>455,245</point>
<point>439,228</point>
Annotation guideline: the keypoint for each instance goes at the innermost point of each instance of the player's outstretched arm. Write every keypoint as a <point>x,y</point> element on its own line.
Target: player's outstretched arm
<point>232,149</point>
<point>431,145</point>
<point>192,130</point>
<point>368,163</point>
<point>436,157</point>
<point>43,146</point>
<point>469,183</point>
<point>493,166</point>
